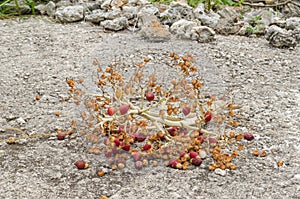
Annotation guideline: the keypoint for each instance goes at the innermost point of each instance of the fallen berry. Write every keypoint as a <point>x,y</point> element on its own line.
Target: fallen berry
<point>182,154</point>
<point>121,166</point>
<point>138,164</point>
<point>145,162</point>
<point>100,173</point>
<point>173,130</point>
<point>178,166</point>
<point>212,140</point>
<point>149,96</point>
<point>81,164</point>
<point>108,152</point>
<point>196,161</point>
<point>186,110</point>
<point>146,147</point>
<point>155,163</point>
<point>61,136</point>
<point>106,141</point>
<point>139,137</point>
<point>173,163</point>
<point>248,136</point>
<point>126,147</point>
<point>117,142</point>
<point>124,109</point>
<point>114,167</point>
<point>256,152</point>
<point>201,139</point>
<point>193,154</point>
<point>280,163</point>
<point>37,97</point>
<point>208,116</point>
<point>136,156</point>
<point>263,154</point>
<point>110,111</point>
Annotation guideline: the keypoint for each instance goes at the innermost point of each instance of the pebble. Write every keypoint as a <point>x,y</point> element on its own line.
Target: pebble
<point>21,121</point>
<point>220,172</point>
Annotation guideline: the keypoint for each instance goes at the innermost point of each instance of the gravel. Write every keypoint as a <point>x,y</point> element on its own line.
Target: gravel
<point>37,56</point>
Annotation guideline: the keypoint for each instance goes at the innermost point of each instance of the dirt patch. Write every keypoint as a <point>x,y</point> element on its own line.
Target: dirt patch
<point>37,56</point>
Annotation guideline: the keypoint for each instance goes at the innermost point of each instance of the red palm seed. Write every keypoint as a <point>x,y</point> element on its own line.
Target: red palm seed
<point>196,161</point>
<point>110,111</point>
<point>208,116</point>
<point>193,154</point>
<point>126,147</point>
<point>61,136</point>
<point>146,147</point>
<point>248,136</point>
<point>117,142</point>
<point>137,156</point>
<point>186,110</point>
<point>81,164</point>
<point>124,109</point>
<point>149,96</point>
<point>138,164</point>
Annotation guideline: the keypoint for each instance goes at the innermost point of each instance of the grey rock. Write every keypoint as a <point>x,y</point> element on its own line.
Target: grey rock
<point>208,19</point>
<point>175,12</point>
<point>69,14</point>
<point>199,10</point>
<point>48,9</point>
<point>90,6</point>
<point>20,121</point>
<point>152,30</point>
<point>227,27</point>
<point>227,24</point>
<point>228,13</point>
<point>293,23</point>
<point>115,24</point>
<point>130,12</point>
<point>149,9</point>
<point>279,37</point>
<point>138,2</point>
<point>96,16</point>
<point>291,10</point>
<point>202,34</point>
<point>63,3</point>
<point>113,14</point>
<point>182,28</point>
<point>40,9</point>
<point>108,4</point>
